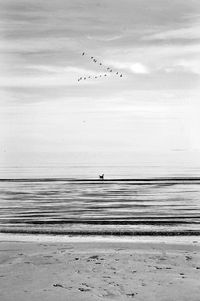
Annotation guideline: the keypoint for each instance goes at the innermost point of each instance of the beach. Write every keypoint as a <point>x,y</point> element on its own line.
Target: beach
<point>75,240</point>
<point>164,269</point>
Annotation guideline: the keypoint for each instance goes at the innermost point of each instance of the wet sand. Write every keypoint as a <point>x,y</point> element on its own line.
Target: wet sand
<point>115,270</point>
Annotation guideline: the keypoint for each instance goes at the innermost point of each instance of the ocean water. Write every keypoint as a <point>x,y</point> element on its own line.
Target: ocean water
<point>165,206</point>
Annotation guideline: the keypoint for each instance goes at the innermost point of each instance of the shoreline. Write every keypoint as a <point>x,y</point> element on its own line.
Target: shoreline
<point>9,237</point>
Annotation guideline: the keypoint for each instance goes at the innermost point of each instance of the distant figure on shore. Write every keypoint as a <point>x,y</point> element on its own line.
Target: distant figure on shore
<point>101,177</point>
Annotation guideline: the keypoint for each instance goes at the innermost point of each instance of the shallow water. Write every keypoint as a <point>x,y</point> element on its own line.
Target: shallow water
<point>97,207</point>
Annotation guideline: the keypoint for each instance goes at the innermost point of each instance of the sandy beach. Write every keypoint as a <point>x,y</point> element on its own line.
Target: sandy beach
<point>100,270</point>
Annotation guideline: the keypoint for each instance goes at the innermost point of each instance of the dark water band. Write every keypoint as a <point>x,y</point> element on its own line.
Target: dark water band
<point>102,233</point>
<point>77,180</point>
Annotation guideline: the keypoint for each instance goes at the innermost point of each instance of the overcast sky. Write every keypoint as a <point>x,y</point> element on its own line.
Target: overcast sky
<point>154,108</point>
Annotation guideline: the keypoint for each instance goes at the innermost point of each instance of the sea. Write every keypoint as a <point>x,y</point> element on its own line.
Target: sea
<point>86,205</point>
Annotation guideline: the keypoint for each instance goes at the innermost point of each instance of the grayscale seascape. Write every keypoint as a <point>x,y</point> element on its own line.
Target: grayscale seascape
<point>99,150</point>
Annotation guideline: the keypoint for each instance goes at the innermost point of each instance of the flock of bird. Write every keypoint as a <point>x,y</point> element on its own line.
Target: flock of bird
<point>107,70</point>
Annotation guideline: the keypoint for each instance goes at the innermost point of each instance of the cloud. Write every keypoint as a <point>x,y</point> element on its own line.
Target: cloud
<point>43,41</point>
<point>105,38</point>
<point>36,81</point>
<point>32,44</point>
<point>187,33</point>
<point>133,67</point>
<point>49,75</point>
<point>192,66</point>
<point>63,70</point>
<point>139,68</point>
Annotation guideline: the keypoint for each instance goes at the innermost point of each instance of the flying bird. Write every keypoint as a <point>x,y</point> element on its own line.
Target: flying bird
<point>108,69</point>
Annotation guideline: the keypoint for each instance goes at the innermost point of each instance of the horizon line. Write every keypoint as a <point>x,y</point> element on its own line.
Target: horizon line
<point>153,179</point>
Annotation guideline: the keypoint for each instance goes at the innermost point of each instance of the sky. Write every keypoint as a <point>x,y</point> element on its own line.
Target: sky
<point>151,113</point>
